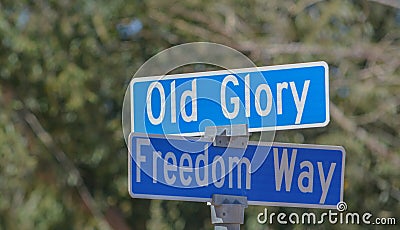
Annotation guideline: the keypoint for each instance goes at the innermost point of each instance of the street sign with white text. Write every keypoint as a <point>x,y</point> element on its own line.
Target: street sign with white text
<point>294,175</point>
<point>266,98</point>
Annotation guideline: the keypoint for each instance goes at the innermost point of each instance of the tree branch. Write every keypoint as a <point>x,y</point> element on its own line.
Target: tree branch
<point>68,166</point>
<point>372,143</point>
<point>392,3</point>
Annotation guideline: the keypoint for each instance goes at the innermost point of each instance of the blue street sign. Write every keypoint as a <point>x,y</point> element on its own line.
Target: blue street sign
<point>266,98</point>
<point>294,175</point>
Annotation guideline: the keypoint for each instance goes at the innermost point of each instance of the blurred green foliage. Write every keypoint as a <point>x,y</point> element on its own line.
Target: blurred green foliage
<point>67,63</point>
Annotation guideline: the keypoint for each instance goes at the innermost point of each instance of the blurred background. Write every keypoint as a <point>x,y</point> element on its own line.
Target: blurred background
<point>65,65</point>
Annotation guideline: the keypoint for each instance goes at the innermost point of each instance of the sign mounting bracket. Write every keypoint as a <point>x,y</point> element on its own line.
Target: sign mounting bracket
<point>228,136</point>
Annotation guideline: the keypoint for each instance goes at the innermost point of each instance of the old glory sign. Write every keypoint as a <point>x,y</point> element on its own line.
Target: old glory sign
<point>265,98</point>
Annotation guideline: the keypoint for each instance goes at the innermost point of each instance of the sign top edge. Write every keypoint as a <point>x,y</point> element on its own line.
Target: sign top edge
<point>229,71</point>
<point>259,143</point>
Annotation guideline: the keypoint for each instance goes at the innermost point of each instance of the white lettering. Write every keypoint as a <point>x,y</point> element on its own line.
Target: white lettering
<point>192,169</point>
<point>193,95</point>
<point>233,161</point>
<point>188,168</point>
<point>247,164</point>
<point>204,159</point>
<point>140,158</point>
<point>170,167</point>
<point>159,119</point>
<point>220,183</point>
<point>283,168</point>
<point>325,183</point>
<point>306,174</point>
<point>247,94</point>
<point>279,89</point>
<point>299,103</point>
<point>234,100</point>
<point>281,218</point>
<point>156,155</point>
<point>267,110</point>
<point>173,103</point>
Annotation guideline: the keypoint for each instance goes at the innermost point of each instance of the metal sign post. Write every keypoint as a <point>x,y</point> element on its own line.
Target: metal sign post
<point>227,211</point>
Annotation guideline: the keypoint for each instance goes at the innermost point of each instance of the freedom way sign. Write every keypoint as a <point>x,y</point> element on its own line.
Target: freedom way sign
<point>294,175</point>
<point>266,98</point>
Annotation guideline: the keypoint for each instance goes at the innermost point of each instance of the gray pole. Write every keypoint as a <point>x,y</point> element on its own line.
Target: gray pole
<point>227,212</point>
